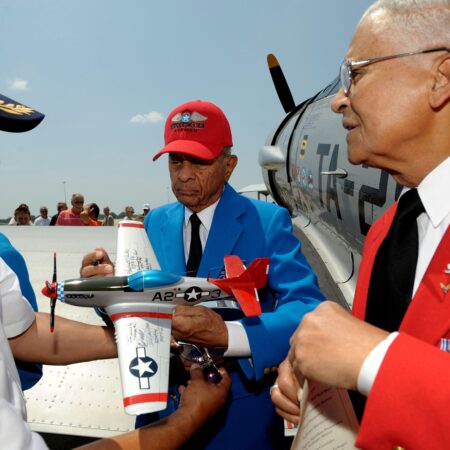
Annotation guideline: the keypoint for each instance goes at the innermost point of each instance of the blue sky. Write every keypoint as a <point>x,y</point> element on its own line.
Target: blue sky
<point>106,73</point>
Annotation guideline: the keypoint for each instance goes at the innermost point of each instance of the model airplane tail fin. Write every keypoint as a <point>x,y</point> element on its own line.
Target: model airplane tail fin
<point>257,272</point>
<point>243,283</point>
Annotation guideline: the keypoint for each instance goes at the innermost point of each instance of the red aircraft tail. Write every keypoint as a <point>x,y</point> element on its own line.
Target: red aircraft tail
<point>243,283</point>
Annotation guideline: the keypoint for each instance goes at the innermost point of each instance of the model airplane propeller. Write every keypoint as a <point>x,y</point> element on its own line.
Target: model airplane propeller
<point>53,299</point>
<point>141,306</point>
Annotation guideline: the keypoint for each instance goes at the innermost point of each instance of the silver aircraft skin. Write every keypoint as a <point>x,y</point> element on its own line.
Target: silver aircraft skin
<point>306,170</point>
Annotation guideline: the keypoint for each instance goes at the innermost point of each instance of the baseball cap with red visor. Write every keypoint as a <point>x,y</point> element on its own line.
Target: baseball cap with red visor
<point>197,128</point>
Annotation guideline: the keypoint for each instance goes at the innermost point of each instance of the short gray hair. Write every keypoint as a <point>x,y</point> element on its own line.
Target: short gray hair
<point>226,151</point>
<point>418,24</point>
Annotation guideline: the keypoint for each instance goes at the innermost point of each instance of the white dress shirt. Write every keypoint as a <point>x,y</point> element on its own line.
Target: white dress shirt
<point>16,316</point>
<point>238,344</point>
<point>434,192</point>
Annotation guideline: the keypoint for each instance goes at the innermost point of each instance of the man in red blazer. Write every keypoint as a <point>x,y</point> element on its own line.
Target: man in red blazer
<point>395,103</point>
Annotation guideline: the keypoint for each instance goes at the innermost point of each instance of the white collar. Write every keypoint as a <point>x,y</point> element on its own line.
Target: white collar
<point>205,215</point>
<point>434,191</point>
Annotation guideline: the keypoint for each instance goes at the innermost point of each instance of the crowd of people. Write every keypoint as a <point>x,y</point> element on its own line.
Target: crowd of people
<point>80,214</point>
<point>392,351</point>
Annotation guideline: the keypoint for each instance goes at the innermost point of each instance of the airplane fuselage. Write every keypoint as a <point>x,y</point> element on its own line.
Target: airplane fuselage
<point>147,286</point>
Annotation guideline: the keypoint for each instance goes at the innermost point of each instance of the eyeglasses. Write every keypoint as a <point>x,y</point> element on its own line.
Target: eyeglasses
<point>348,67</point>
<point>201,356</point>
<point>78,202</point>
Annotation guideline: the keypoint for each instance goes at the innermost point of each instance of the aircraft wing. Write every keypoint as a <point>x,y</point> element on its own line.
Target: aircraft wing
<point>134,251</point>
<point>143,344</point>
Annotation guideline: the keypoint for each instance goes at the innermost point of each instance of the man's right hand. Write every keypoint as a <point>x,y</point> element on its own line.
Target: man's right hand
<point>97,264</point>
<point>285,393</point>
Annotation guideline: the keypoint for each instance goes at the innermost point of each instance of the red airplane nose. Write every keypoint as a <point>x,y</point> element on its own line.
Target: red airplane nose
<point>49,290</point>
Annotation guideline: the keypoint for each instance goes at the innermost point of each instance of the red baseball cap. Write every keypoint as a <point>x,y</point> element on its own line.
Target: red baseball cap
<point>196,128</point>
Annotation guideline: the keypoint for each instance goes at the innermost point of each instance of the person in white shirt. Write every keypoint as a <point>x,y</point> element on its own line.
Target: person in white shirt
<point>43,219</point>
<point>25,335</point>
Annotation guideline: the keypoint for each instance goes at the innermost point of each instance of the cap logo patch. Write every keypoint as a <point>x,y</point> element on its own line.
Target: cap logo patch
<point>16,109</point>
<point>187,121</point>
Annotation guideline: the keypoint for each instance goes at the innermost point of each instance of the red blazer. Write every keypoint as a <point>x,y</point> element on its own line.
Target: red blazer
<point>409,404</point>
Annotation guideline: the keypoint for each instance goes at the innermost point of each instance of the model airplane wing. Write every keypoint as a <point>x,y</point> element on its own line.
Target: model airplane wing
<point>143,345</point>
<point>142,331</point>
<point>134,251</point>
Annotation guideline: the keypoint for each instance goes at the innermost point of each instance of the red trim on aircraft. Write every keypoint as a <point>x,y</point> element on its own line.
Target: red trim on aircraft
<point>145,398</point>
<point>131,225</point>
<point>153,315</point>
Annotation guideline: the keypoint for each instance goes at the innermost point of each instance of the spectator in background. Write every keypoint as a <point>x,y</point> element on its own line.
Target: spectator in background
<point>108,220</point>
<point>23,208</point>
<point>71,217</point>
<point>145,211</point>
<point>43,219</point>
<point>22,216</point>
<point>61,206</point>
<point>90,214</point>
<point>129,211</point>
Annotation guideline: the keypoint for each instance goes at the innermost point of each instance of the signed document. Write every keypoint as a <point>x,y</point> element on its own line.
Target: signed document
<point>328,420</point>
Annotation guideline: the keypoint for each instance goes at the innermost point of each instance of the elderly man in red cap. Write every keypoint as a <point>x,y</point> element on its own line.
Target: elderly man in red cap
<point>192,236</point>
<point>25,336</point>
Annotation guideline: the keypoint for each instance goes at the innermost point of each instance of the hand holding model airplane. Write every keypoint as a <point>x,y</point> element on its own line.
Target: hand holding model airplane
<point>141,301</point>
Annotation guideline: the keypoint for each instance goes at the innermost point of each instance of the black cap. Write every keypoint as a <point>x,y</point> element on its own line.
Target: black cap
<point>17,118</point>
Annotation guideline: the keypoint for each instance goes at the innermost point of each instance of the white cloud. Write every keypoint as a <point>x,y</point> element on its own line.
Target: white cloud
<point>18,85</point>
<point>150,117</point>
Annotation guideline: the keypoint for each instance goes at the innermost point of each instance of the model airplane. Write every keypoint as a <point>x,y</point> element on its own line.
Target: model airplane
<point>141,306</point>
<point>306,170</point>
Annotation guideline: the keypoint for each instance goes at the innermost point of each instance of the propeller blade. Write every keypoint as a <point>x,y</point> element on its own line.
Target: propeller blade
<point>280,83</point>
<point>54,268</point>
<point>53,299</point>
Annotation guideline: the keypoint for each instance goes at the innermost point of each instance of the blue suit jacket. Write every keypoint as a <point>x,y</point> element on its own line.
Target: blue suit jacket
<point>249,229</point>
<point>29,373</point>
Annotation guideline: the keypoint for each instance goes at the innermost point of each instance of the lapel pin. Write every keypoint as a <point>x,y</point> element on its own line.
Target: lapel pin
<point>445,287</point>
<point>447,270</point>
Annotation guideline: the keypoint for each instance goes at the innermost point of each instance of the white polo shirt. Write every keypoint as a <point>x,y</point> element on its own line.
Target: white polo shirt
<point>16,316</point>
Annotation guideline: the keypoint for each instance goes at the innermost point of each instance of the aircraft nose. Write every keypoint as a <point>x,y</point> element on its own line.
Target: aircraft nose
<point>49,290</point>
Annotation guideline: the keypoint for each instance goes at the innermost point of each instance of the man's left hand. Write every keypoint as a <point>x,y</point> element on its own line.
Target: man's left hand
<point>199,325</point>
<point>330,346</point>
<point>200,400</point>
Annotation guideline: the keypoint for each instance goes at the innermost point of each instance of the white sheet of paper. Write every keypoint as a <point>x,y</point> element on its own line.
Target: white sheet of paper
<point>328,420</point>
